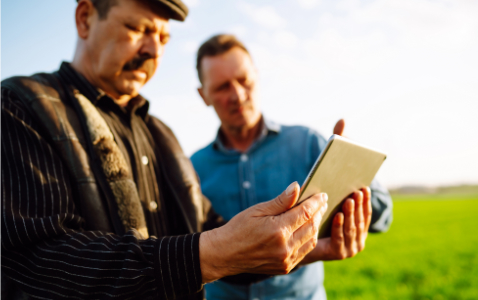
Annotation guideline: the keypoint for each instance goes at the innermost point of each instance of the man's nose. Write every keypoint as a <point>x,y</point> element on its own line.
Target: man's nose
<point>239,93</point>
<point>152,46</point>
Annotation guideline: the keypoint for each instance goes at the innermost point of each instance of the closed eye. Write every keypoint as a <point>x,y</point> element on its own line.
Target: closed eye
<point>133,28</point>
<point>223,86</point>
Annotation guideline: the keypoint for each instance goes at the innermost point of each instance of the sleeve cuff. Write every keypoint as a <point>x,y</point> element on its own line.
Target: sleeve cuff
<point>177,266</point>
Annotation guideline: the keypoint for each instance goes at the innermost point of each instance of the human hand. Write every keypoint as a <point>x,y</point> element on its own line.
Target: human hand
<point>349,230</point>
<point>268,238</point>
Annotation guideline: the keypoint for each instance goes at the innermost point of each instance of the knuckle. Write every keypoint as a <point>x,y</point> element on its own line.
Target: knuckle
<point>280,235</point>
<point>350,231</point>
<point>339,240</point>
<point>280,200</point>
<point>314,243</point>
<point>316,223</point>
<point>361,245</point>
<point>315,231</point>
<point>283,255</point>
<point>284,272</point>
<point>337,225</point>
<point>342,255</point>
<point>361,227</point>
<point>285,268</point>
<point>306,212</point>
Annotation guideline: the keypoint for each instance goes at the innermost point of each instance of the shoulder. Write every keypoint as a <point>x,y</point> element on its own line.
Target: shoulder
<point>36,82</point>
<point>154,121</point>
<point>19,91</point>
<point>25,89</point>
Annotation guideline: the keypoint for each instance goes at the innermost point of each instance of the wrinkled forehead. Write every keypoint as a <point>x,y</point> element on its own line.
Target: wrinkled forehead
<point>233,64</point>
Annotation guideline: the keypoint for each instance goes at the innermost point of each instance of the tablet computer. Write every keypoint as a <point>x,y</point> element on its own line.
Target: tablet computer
<point>342,168</point>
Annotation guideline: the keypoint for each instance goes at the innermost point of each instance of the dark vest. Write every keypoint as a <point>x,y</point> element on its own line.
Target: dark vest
<point>48,103</point>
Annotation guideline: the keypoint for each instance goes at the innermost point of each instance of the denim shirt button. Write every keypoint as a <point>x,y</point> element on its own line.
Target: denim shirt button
<point>244,157</point>
<point>246,185</point>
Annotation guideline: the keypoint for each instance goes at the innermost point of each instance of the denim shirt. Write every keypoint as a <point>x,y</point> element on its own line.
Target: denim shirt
<point>234,181</point>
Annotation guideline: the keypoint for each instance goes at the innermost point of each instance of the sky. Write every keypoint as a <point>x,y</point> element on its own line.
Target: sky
<point>402,73</point>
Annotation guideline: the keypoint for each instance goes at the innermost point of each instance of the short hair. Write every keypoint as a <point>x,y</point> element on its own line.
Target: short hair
<point>103,7</point>
<point>217,45</point>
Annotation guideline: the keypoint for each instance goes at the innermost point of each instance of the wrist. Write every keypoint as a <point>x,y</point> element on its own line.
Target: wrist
<point>211,256</point>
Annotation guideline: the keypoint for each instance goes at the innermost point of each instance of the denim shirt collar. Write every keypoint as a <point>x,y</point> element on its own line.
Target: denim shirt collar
<point>268,128</point>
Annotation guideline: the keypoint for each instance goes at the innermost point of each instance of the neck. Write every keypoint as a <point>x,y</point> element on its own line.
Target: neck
<point>241,138</point>
<point>82,64</point>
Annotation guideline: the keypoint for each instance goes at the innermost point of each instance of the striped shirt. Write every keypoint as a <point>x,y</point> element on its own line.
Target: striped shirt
<point>45,250</point>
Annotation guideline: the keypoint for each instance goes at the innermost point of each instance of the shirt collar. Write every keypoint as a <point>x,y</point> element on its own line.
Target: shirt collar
<point>139,105</point>
<point>268,128</point>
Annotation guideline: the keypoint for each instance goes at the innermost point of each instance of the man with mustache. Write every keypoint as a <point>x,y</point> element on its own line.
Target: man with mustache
<point>98,199</point>
<point>253,158</point>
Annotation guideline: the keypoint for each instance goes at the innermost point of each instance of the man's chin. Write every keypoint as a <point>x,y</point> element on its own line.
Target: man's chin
<point>244,119</point>
<point>131,89</point>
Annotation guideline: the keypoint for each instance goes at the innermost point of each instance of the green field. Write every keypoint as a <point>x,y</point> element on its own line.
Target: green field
<point>430,252</point>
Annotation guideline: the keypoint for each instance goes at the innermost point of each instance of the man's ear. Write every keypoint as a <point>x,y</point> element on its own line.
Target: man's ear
<point>83,17</point>
<point>201,93</point>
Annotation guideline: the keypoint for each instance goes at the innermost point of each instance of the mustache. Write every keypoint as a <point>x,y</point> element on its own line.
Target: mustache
<point>238,106</point>
<point>141,62</point>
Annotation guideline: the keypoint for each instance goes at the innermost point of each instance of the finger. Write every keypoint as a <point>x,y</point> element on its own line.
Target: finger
<point>304,234</point>
<point>304,250</point>
<point>367,206</point>
<point>339,127</point>
<point>361,231</point>
<point>358,199</point>
<point>307,231</point>
<point>282,203</point>
<point>359,217</point>
<point>349,225</point>
<point>337,233</point>
<point>305,211</point>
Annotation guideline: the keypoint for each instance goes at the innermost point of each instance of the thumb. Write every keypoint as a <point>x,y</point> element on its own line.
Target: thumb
<point>283,202</point>
<point>339,127</point>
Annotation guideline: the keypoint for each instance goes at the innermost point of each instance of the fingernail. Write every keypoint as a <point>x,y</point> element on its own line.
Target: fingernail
<point>325,197</point>
<point>290,190</point>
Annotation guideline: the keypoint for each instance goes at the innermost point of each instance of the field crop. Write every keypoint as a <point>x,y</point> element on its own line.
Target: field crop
<point>430,252</point>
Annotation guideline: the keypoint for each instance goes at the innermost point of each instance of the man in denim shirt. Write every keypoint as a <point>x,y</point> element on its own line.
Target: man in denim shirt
<point>253,159</point>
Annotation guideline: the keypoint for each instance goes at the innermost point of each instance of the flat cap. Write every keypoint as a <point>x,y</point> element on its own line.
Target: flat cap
<point>176,9</point>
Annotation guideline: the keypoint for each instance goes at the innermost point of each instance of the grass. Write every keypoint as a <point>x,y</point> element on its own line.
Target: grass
<point>430,252</point>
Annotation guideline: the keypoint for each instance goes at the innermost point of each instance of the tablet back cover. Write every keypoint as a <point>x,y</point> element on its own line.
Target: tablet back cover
<point>342,168</point>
